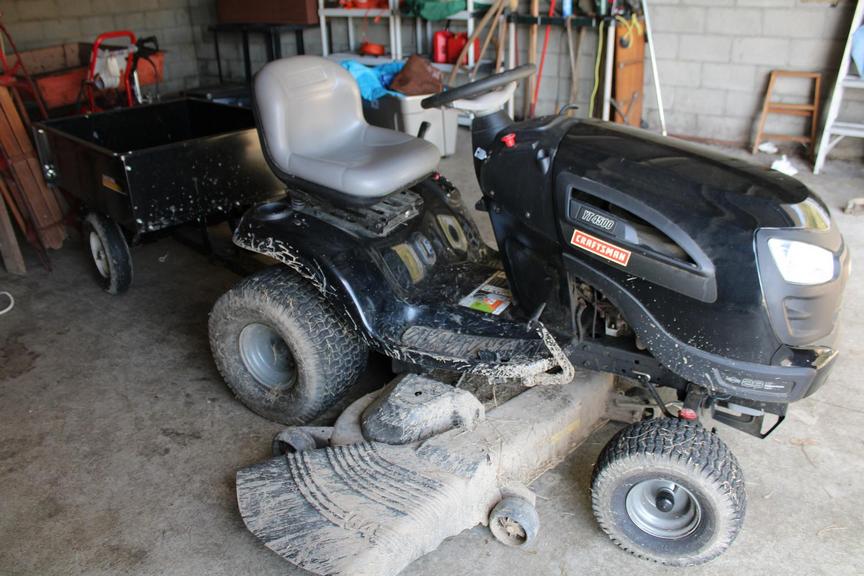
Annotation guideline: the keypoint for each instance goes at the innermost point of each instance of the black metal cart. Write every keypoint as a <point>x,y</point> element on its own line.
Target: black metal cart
<point>144,169</point>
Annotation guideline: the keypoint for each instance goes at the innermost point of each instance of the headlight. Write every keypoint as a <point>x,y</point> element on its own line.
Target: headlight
<point>802,263</point>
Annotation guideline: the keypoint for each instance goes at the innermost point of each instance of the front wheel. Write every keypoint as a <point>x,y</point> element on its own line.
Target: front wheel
<point>282,349</point>
<point>669,491</point>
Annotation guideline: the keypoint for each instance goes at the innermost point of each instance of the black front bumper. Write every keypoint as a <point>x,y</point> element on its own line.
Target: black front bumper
<point>723,377</point>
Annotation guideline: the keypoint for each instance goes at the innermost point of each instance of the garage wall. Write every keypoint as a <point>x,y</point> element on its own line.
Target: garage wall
<point>41,23</point>
<point>715,57</point>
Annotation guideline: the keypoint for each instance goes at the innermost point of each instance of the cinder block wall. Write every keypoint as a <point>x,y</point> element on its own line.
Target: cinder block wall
<point>41,23</point>
<point>715,57</point>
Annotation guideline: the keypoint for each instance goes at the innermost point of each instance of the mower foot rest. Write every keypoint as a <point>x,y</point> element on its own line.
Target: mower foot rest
<point>468,346</point>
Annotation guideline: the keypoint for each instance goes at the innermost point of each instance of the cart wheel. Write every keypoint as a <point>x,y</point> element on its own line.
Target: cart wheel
<point>669,491</point>
<point>514,522</point>
<point>282,349</point>
<point>109,253</point>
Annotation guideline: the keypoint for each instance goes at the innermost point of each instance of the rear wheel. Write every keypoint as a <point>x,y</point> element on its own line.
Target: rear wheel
<point>669,491</point>
<point>109,253</point>
<point>282,349</point>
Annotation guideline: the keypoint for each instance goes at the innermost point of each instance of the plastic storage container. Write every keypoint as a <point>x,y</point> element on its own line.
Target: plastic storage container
<point>406,115</point>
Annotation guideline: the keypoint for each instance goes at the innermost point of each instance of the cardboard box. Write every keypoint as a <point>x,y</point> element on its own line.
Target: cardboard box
<point>268,11</point>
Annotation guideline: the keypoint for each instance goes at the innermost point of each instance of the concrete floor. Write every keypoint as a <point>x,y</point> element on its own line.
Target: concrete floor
<point>119,442</point>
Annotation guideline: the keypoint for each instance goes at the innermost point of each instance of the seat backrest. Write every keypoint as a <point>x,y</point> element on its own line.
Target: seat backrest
<point>305,105</point>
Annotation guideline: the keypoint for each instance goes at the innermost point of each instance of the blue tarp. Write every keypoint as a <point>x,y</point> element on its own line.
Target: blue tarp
<point>373,81</point>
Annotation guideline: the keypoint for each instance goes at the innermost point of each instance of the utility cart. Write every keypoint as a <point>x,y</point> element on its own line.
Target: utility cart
<point>136,171</point>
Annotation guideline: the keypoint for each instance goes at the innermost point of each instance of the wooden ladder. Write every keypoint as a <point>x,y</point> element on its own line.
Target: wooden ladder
<point>833,131</point>
<point>810,109</point>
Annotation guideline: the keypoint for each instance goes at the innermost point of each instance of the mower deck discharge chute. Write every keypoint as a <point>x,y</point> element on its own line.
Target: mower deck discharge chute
<point>709,286</point>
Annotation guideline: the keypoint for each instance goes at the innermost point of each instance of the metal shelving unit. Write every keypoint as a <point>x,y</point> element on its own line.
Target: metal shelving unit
<point>394,20</point>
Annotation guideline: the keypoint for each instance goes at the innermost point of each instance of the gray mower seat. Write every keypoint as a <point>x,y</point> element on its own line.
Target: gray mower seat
<point>310,119</point>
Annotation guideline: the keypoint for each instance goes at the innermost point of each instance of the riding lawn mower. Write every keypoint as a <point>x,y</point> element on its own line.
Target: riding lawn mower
<point>636,278</point>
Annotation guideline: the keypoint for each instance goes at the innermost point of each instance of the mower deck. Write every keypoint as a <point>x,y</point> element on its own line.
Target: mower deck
<point>372,508</point>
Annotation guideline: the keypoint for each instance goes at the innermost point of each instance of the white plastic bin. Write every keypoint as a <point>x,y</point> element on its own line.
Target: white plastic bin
<point>406,115</point>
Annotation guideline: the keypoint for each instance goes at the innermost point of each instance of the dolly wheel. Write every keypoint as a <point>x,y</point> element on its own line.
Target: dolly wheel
<point>669,491</point>
<point>284,351</point>
<point>514,522</point>
<point>109,252</point>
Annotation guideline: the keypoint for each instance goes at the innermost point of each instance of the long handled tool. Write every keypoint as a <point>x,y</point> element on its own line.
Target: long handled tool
<point>649,35</point>
<point>532,56</point>
<point>494,10</point>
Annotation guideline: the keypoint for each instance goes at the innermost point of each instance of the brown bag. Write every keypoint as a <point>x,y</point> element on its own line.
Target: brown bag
<point>417,77</point>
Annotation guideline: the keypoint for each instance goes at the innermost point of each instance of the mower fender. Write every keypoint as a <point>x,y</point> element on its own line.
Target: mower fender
<point>298,255</point>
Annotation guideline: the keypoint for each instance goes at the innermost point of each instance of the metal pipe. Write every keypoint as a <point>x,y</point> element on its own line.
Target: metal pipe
<point>609,69</point>
<point>654,74</point>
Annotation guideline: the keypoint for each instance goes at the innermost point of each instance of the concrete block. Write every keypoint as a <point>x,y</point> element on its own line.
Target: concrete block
<point>143,4</point>
<point>764,3</point>
<point>650,97</point>
<point>743,104</point>
<point>769,51</point>
<point>739,77</point>
<point>704,48</point>
<point>676,122</point>
<point>734,21</point>
<point>793,23</point>
<point>816,54</point>
<point>159,19</point>
<point>77,8</point>
<point>36,9</point>
<point>103,7</point>
<point>699,100</point>
<point>93,26</point>
<point>678,19</point>
<point>666,46</point>
<point>134,21</point>
<point>9,11</point>
<point>735,129</point>
<point>678,73</point>
<point>176,35</point>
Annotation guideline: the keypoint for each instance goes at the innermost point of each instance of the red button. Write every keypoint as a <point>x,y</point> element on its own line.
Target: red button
<point>687,414</point>
<point>509,140</point>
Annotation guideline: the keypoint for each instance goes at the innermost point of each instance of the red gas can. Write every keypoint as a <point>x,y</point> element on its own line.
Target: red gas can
<point>439,46</point>
<point>455,45</point>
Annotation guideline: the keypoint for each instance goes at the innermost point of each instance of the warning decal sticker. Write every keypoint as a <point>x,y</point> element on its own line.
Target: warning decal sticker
<point>600,248</point>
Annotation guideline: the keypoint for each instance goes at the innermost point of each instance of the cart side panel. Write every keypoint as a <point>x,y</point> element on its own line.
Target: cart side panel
<point>204,177</point>
<point>95,177</point>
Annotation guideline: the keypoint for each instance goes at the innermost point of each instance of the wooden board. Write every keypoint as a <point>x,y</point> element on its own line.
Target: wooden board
<point>629,82</point>
<point>9,248</point>
<point>39,200</point>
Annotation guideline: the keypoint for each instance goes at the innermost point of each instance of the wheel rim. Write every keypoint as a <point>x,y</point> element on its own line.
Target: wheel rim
<point>511,531</point>
<point>100,258</point>
<point>267,357</point>
<point>663,509</point>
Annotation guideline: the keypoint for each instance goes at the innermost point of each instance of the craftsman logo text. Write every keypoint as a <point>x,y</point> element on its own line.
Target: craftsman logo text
<point>600,248</point>
<point>597,219</point>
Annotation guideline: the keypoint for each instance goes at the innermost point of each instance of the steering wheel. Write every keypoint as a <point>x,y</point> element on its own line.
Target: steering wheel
<point>478,87</point>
